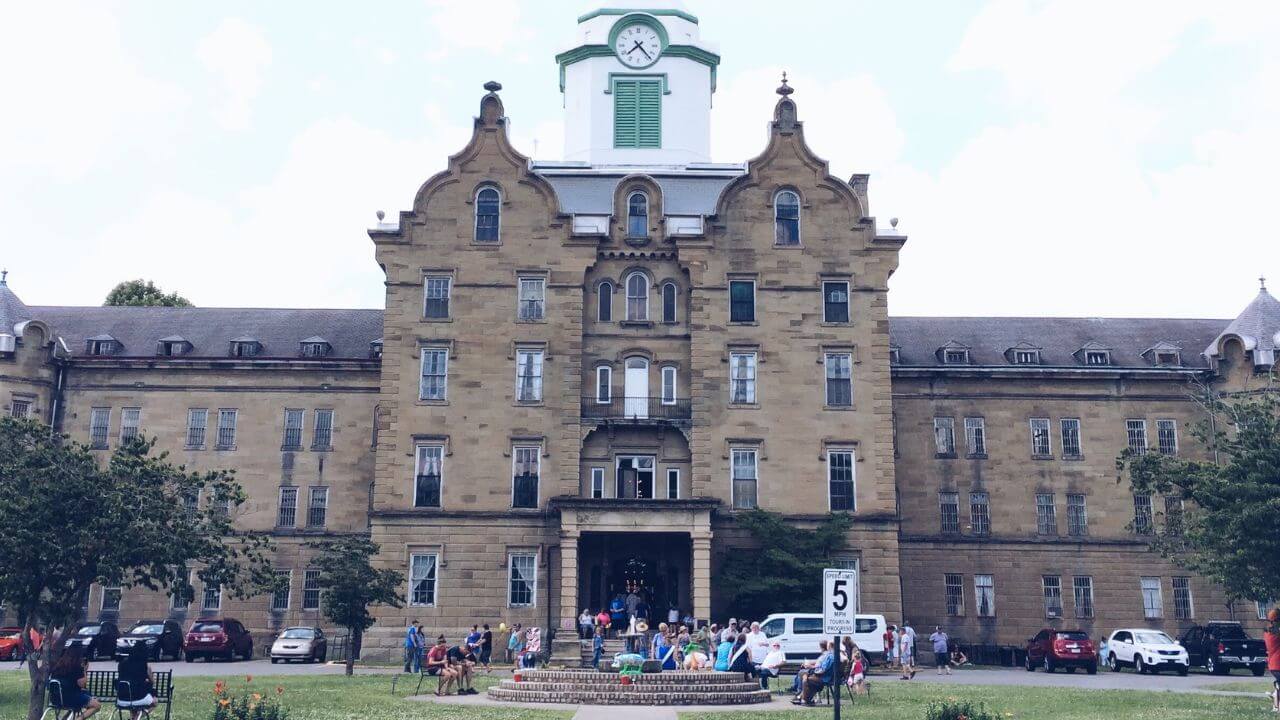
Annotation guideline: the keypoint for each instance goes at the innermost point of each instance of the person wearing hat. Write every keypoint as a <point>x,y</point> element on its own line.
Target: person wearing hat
<point>1272,640</point>
<point>771,665</point>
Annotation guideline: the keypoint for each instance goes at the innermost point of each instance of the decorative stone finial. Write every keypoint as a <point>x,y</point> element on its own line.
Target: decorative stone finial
<point>1262,280</point>
<point>4,277</point>
<point>380,215</point>
<point>893,223</point>
<point>493,86</point>
<point>784,89</point>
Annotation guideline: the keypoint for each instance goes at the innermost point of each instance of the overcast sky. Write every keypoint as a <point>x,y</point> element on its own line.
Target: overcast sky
<point>1050,158</point>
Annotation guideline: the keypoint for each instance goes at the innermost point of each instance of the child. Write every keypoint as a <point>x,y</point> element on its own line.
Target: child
<point>597,647</point>
<point>515,646</point>
<point>858,673</point>
<point>958,658</point>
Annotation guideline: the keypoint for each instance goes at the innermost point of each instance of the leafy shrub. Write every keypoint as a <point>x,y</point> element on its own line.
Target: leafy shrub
<point>958,711</point>
<point>246,704</point>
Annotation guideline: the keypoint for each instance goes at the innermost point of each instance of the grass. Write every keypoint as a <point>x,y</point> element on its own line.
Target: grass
<point>1261,686</point>
<point>314,697</point>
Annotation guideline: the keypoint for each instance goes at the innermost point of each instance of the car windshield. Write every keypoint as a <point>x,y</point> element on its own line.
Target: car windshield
<point>147,629</point>
<point>1229,632</point>
<point>207,627</point>
<point>1153,638</point>
<point>1078,636</point>
<point>90,630</point>
<point>9,634</point>
<point>298,634</point>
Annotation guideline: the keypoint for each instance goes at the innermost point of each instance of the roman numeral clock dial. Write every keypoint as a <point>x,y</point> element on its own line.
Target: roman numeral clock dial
<point>638,46</point>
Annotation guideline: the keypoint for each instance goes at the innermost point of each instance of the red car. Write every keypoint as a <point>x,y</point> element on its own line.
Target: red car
<point>226,638</point>
<point>1052,649</point>
<point>10,643</point>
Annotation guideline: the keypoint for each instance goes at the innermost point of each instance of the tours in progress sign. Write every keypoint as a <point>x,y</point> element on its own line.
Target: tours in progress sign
<point>839,601</point>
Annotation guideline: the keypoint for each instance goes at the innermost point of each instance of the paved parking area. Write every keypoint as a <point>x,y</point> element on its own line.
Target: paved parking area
<point>1104,680</point>
<point>242,667</point>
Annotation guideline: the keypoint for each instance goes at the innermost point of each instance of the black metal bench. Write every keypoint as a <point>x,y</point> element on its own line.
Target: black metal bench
<point>102,685</point>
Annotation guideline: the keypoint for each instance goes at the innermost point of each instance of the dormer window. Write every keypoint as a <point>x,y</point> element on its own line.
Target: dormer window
<point>955,357</point>
<point>488,214</point>
<point>1168,359</point>
<point>895,356</point>
<point>375,348</point>
<point>786,218</point>
<point>102,345</point>
<point>315,347</point>
<point>1026,357</point>
<point>245,347</point>
<point>172,346</point>
<point>637,215</point>
<point>1097,357</point>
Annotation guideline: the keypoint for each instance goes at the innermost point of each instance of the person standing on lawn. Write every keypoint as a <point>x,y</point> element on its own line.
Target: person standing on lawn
<point>410,646</point>
<point>486,647</point>
<point>1272,640</point>
<point>941,654</point>
<point>906,654</point>
<point>515,646</point>
<point>890,639</point>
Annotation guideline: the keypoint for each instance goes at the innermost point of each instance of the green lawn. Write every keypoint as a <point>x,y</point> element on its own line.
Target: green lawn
<point>316,697</point>
<point>1262,686</point>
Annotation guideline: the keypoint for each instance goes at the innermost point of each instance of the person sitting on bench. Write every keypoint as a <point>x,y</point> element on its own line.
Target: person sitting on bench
<point>135,686</point>
<point>68,672</point>
<point>822,675</point>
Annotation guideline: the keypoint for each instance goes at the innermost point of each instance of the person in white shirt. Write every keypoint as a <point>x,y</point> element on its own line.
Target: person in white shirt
<point>758,642</point>
<point>673,615</point>
<point>771,665</point>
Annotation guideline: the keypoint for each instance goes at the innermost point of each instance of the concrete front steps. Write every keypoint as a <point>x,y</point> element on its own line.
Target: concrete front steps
<point>612,646</point>
<point>599,688</point>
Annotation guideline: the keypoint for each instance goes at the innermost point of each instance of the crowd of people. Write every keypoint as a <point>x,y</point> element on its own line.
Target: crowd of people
<point>457,665</point>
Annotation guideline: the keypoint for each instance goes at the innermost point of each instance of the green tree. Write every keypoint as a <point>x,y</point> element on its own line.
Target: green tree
<point>143,293</point>
<point>1229,527</point>
<point>785,573</point>
<point>70,521</point>
<point>350,584</point>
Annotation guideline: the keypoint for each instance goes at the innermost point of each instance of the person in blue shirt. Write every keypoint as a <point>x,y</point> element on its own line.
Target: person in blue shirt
<point>665,650</point>
<point>597,647</point>
<point>410,646</point>
<point>822,675</point>
<point>722,656</point>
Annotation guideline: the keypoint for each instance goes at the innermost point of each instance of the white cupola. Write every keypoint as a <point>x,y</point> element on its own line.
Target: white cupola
<point>637,88</point>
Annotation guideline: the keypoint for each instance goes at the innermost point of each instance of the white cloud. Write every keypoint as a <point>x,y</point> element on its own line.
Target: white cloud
<point>236,53</point>
<point>466,25</point>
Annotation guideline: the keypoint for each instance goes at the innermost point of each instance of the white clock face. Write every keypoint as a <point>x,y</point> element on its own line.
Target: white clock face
<point>638,45</point>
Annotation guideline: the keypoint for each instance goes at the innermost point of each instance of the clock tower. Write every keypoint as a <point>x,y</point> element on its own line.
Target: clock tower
<point>637,88</point>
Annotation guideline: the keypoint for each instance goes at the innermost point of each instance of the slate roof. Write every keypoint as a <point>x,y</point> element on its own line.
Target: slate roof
<point>1258,325</point>
<point>210,330</point>
<point>12,309</point>
<point>681,194</point>
<point>918,338</point>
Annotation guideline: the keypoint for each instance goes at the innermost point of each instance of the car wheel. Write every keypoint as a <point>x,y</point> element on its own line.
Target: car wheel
<point>1113,663</point>
<point>1138,667</point>
<point>1214,668</point>
<point>1258,670</point>
<point>275,661</point>
<point>1092,669</point>
<point>1048,664</point>
<point>1029,665</point>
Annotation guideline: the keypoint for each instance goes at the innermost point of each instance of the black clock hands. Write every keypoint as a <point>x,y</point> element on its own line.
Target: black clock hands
<point>639,47</point>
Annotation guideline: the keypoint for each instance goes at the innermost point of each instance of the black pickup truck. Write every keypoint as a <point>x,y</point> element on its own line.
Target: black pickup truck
<point>1219,647</point>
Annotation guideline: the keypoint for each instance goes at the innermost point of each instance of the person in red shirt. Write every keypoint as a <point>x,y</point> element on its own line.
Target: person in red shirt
<point>438,664</point>
<point>1272,638</point>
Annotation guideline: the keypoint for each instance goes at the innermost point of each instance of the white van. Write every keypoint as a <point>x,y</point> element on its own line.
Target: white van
<point>799,633</point>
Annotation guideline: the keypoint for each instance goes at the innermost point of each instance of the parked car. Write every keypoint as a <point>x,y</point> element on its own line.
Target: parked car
<point>1220,646</point>
<point>162,637</point>
<point>218,637</point>
<point>799,633</point>
<point>300,643</point>
<point>10,643</point>
<point>97,638</point>
<point>1070,649</point>
<point>1146,651</point>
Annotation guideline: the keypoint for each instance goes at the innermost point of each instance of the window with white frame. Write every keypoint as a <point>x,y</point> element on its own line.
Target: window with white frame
<point>434,384</point>
<point>1142,515</point>
<point>597,483</point>
<point>292,429</point>
<point>1026,357</point>
<point>744,476</point>
<point>428,476</point>
<point>191,503</point>
<point>1041,443</point>
<point>669,305</point>
<point>835,301</point>
<point>742,378</point>
<point>742,301</point>
<point>311,590</point>
<point>984,595</point>
<point>1051,585</point>
<point>1136,430</point>
<point>522,579</point>
<point>280,596</point>
<point>1167,437</point>
<point>197,422</point>
<point>1070,428</point>
<point>637,297</point>
<point>436,290</point>
<point>949,512</point>
<point>637,215</point>
<point>20,408</point>
<point>839,367</point>
<point>673,484</point>
<point>528,375</point>
<point>1152,600</point>
<point>322,431</point>
<point>975,436</point>
<point>130,421</point>
<point>488,215</point>
<point>840,480</point>
<point>1082,590</point>
<point>99,420</point>
<point>525,462</point>
<point>226,428</point>
<point>604,310</point>
<point>212,598</point>
<point>177,602</point>
<point>944,435</point>
<point>532,298</point>
<point>1183,609</point>
<point>422,579</point>
<point>953,587</point>
<point>111,598</point>
<point>318,507</point>
<point>786,218</point>
<point>980,513</point>
<point>287,514</point>
<point>604,384</point>
<point>1173,514</point>
<point>955,357</point>
<point>1097,357</point>
<point>1077,515</point>
<point>1263,607</point>
<point>668,385</point>
<point>1046,514</point>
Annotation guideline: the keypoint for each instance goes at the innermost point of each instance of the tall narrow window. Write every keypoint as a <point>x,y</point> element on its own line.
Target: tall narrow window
<point>1152,600</point>
<point>949,512</point>
<point>1167,436</point>
<point>436,291</point>
<point>1082,592</point>
<point>1077,515</point>
<point>524,482</point>
<point>1142,520</point>
<point>980,513</point>
<point>1046,514</point>
<point>637,297</point>
<point>669,302</point>
<point>130,421</point>
<point>322,433</point>
<point>742,378</point>
<point>984,595</point>
<point>287,515</point>
<point>835,301</point>
<point>744,476</point>
<point>528,376</point>
<point>840,480</point>
<point>742,301</point>
<point>428,477</point>
<point>532,299</point>
<point>597,483</point>
<point>111,598</point>
<point>434,384</point>
<point>197,421</point>
<point>839,368</point>
<point>944,436</point>
<point>1070,437</point>
<point>637,215</point>
<point>422,580</point>
<point>637,113</point>
<point>212,599</point>
<point>311,590</point>
<point>604,310</point>
<point>523,580</point>
<point>178,602</point>
<point>292,429</point>
<point>604,384</point>
<point>1173,513</point>
<point>280,597</point>
<point>318,508</point>
<point>1041,443</point>
<point>1136,430</point>
<point>668,385</point>
<point>975,436</point>
<point>488,214</point>
<point>1183,609</point>
<point>786,218</point>
<point>226,428</point>
<point>953,584</point>
<point>1052,588</point>
<point>673,484</point>
<point>99,420</point>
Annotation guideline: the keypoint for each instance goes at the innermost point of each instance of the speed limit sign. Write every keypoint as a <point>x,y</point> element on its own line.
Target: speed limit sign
<point>839,601</point>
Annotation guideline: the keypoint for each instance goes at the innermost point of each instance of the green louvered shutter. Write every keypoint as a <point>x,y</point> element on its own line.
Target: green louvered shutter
<point>637,113</point>
<point>649,114</point>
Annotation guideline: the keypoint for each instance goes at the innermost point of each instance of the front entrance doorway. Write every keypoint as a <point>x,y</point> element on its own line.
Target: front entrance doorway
<point>635,477</point>
<point>655,567</point>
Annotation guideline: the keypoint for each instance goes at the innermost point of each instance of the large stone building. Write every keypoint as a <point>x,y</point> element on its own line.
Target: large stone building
<point>586,369</point>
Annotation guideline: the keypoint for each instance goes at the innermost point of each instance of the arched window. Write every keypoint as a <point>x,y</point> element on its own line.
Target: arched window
<point>638,215</point>
<point>487,214</point>
<point>637,296</point>
<point>605,311</point>
<point>786,218</point>
<point>669,302</point>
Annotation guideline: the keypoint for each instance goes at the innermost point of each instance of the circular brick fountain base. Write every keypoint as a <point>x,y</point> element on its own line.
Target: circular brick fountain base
<point>600,688</point>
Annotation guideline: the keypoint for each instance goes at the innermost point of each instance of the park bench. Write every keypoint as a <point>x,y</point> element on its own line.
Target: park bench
<point>102,685</point>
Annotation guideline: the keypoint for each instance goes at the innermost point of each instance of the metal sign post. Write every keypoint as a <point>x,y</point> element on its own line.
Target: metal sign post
<point>839,609</point>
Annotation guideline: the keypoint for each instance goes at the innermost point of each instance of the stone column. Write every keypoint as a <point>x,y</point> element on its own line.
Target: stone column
<point>700,583</point>
<point>565,651</point>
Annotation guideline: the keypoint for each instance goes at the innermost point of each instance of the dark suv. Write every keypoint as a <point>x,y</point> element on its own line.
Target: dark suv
<point>218,637</point>
<point>162,638</point>
<point>97,638</point>
<point>1052,649</point>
